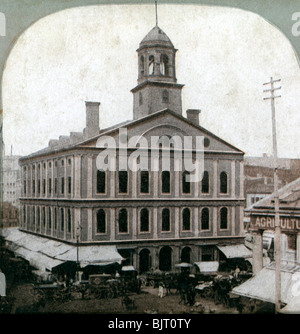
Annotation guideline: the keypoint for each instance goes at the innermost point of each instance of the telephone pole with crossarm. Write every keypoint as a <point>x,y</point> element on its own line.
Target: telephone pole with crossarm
<point>277,238</point>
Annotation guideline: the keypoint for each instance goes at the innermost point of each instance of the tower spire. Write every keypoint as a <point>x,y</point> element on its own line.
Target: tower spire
<point>156,17</point>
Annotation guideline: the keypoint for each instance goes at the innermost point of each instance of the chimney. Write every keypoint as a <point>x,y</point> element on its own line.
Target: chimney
<point>92,119</point>
<point>193,115</point>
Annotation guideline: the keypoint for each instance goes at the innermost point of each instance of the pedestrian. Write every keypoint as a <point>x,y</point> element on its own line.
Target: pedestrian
<point>236,272</point>
<point>161,290</point>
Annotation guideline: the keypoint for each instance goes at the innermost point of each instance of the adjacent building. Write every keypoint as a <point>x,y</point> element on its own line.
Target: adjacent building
<point>12,180</point>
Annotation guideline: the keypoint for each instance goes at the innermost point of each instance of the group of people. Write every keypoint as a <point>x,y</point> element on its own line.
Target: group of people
<point>186,290</point>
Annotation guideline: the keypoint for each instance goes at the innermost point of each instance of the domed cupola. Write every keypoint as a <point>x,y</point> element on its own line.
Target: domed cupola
<point>156,55</point>
<point>157,88</point>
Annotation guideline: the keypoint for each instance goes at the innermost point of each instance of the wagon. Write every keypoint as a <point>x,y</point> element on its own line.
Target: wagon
<point>52,291</point>
<point>153,279</point>
<point>103,286</point>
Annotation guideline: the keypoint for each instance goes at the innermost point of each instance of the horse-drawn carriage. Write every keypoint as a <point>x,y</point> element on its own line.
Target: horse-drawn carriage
<point>155,278</point>
<point>103,286</point>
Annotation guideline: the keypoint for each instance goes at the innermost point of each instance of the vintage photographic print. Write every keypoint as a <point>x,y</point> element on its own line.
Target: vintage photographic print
<point>150,159</point>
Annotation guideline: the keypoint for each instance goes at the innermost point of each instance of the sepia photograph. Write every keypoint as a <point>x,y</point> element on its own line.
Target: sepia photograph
<point>150,160</point>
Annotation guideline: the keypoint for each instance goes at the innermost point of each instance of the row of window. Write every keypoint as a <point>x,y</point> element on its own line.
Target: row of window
<point>42,216</point>
<point>62,163</point>
<point>123,183</point>
<point>165,223</point>
<point>41,186</point>
<point>165,182</point>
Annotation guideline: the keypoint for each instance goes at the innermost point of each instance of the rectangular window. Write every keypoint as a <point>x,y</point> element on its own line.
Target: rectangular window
<point>62,185</point>
<point>44,186</point>
<point>186,185</point>
<point>69,184</point>
<point>62,219</point>
<point>55,218</point>
<point>49,185</point>
<point>101,182</point>
<point>33,186</point>
<point>24,187</point>
<point>144,182</point>
<point>69,226</point>
<point>101,221</point>
<point>205,183</point>
<point>39,186</point>
<point>123,181</point>
<point>165,187</point>
<point>55,185</point>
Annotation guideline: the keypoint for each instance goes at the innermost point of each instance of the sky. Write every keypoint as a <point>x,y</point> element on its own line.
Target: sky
<point>89,54</point>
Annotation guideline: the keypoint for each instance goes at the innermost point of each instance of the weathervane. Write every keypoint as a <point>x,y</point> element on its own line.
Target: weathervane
<point>156,13</point>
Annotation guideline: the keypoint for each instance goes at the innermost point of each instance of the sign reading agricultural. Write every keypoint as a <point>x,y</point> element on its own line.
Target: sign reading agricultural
<point>268,222</point>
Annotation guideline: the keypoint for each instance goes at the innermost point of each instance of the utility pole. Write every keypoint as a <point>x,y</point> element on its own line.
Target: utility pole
<point>78,233</point>
<point>277,238</point>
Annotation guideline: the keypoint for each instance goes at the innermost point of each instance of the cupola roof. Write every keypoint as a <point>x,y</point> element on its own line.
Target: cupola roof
<point>156,36</point>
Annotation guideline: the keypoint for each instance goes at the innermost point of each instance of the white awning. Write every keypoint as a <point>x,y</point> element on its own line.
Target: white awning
<point>43,253</point>
<point>292,308</point>
<point>235,251</point>
<point>92,255</point>
<point>183,265</point>
<point>38,260</point>
<point>208,266</point>
<point>262,286</point>
<point>128,268</point>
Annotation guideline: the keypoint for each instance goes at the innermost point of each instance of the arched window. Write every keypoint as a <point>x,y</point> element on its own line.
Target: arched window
<point>224,218</point>
<point>69,221</point>
<point>38,217</point>
<point>165,96</point>
<point>49,218</point>
<point>165,187</point>
<point>101,221</point>
<point>101,182</point>
<point>144,182</point>
<point>33,216</point>
<point>44,216</point>
<point>223,183</point>
<point>142,65</point>
<point>186,185</point>
<point>164,70</point>
<point>205,183</point>
<point>186,255</point>
<point>62,219</point>
<point>205,219</point>
<point>55,218</point>
<point>123,221</point>
<point>144,219</point>
<point>186,219</point>
<point>151,65</point>
<point>165,226</point>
